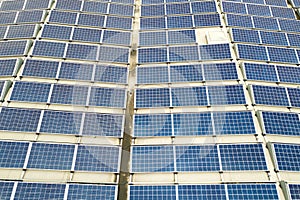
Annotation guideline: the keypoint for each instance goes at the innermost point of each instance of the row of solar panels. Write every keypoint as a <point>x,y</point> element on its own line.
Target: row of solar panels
<point>263,2</point>
<point>9,5</point>
<point>259,10</point>
<point>265,37</point>
<point>59,156</point>
<point>37,191</point>
<point>215,123</point>
<point>61,122</point>
<point>221,157</point>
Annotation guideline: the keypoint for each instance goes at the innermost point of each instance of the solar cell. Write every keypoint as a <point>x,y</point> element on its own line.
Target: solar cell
<point>239,21</point>
<point>42,156</point>
<point>197,96</point>
<point>152,125</point>
<point>38,4</point>
<point>76,71</point>
<point>77,191</point>
<point>180,21</point>
<point>281,123</point>
<point>294,95</point>
<point>15,119</point>
<point>275,38</point>
<point>116,37</point>
<point>81,51</point>
<point>7,17</point>
<point>3,31</point>
<point>233,7</point>
<point>57,32</point>
<point>13,155</point>
<point>6,189</point>
<point>63,17</point>
<point>204,7</point>
<point>294,40</point>
<point>225,95</point>
<point>91,20</point>
<point>261,72</point>
<point>244,157</point>
<point>113,54</point>
<point>12,5</point>
<point>259,10</point>
<point>197,158</point>
<point>186,73</point>
<point>119,9</point>
<point>13,48</point>
<point>289,74</point>
<point>220,71</point>
<point>195,192</point>
<point>269,95</point>
<point>111,74</point>
<point>189,124</point>
<point>21,31</point>
<point>282,55</point>
<point>7,67</point>
<point>148,75</point>
<point>182,8</point>
<point>152,38</point>
<point>276,2</point>
<point>181,37</point>
<point>69,94</point>
<point>94,6</point>
<point>86,35</point>
<point>153,10</point>
<point>215,52</point>
<point>119,23</point>
<point>49,49</point>
<point>152,55</point>
<point>156,192</point>
<point>97,158</point>
<point>30,16</point>
<point>37,191</point>
<point>289,25</point>
<point>152,23</point>
<point>68,5</point>
<point>265,23</point>
<point>158,97</point>
<point>283,12</point>
<point>108,97</point>
<point>61,122</point>
<point>251,52</point>
<point>287,157</point>
<point>30,92</point>
<point>40,68</point>
<point>244,35</point>
<point>152,159</point>
<point>183,53</point>
<point>107,125</point>
<point>294,189</point>
<point>207,20</point>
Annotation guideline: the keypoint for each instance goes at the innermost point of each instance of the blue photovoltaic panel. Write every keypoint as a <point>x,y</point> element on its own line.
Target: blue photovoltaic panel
<point>37,4</point>
<point>56,32</point>
<point>119,9</point>
<point>97,158</point>
<point>196,96</point>
<point>197,158</point>
<point>189,124</point>
<point>244,35</point>
<point>40,68</point>
<point>229,94</point>
<point>152,55</point>
<point>148,75</point>
<point>252,191</point>
<point>7,67</point>
<point>14,119</point>
<point>201,192</point>
<point>287,157</point>
<point>152,23</point>
<point>152,125</point>
<point>12,154</point>
<point>239,20</point>
<point>49,49</point>
<point>152,38</point>
<point>63,17</point>
<point>265,23</point>
<point>81,51</point>
<point>295,3</point>
<point>180,22</point>
<point>76,71</point>
<point>69,94</point>
<point>108,97</point>
<point>186,73</point>
<point>83,191</point>
<point>282,55</point>
<point>283,12</point>
<point>51,156</point>
<point>87,35</point>
<point>229,123</point>
<point>230,7</point>
<point>116,37</point>
<point>294,94</point>
<point>107,125</point>
<point>68,5</point>
<point>12,5</point>
<point>91,20</point>
<point>152,1</point>
<point>6,189</point>
<point>153,10</point>
<point>250,52</point>
<point>242,157</point>
<point>204,7</point>
<point>215,52</point>
<point>149,192</point>
<point>259,10</point>
<point>294,191</point>
<point>2,31</point>
<point>181,37</point>
<point>119,22</point>
<point>148,98</point>
<point>289,25</point>
<point>93,6</point>
<point>261,72</point>
<point>268,95</point>
<point>61,122</point>
<point>30,91</point>
<point>220,71</point>
<point>183,53</point>
<point>113,54</point>
<point>152,159</point>
<point>7,17</point>
<point>276,2</point>
<point>21,31</point>
<point>13,48</point>
<point>294,39</point>
<point>111,74</point>
<point>182,8</point>
<point>207,20</point>
<point>289,74</point>
<point>38,191</point>
<point>281,123</point>
<point>30,16</point>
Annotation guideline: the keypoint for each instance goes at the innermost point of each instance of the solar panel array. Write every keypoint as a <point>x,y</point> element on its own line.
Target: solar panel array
<point>149,99</point>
